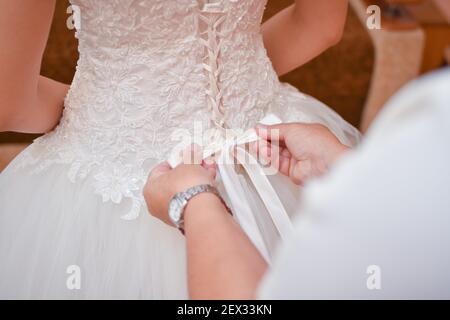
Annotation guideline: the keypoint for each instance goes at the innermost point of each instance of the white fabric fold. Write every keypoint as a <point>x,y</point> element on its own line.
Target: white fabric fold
<point>242,210</point>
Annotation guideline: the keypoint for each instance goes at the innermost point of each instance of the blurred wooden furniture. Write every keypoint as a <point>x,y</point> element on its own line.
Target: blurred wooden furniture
<point>395,16</point>
<point>433,16</point>
<point>398,51</point>
<point>413,41</point>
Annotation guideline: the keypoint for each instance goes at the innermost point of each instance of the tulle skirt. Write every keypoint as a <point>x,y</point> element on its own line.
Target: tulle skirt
<point>59,240</point>
<point>51,229</point>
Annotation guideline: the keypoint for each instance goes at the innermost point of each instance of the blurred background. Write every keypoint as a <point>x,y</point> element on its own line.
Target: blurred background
<point>355,78</point>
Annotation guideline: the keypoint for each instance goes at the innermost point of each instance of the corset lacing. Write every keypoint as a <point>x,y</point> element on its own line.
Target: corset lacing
<point>213,14</point>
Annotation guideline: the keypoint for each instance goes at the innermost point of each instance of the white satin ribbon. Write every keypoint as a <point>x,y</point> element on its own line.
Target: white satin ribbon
<point>242,210</point>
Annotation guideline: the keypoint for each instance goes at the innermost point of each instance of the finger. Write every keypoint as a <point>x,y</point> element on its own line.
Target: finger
<point>209,163</point>
<point>212,171</point>
<point>295,173</point>
<point>276,132</point>
<point>271,136</point>
<point>211,166</point>
<point>284,164</point>
<point>302,171</point>
<point>264,152</point>
<point>285,153</point>
<point>253,147</point>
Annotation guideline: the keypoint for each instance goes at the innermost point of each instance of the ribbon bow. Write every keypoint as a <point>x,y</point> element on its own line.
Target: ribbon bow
<point>242,210</point>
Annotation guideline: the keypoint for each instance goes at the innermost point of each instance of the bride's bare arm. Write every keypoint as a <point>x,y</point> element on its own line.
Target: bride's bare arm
<point>302,31</point>
<point>28,102</point>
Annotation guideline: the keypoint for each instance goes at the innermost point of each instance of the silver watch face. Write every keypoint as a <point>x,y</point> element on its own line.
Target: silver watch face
<point>179,201</point>
<point>175,210</point>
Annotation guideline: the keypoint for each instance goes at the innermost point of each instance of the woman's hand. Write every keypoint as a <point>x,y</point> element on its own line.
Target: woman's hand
<point>164,182</point>
<point>222,262</point>
<point>304,151</point>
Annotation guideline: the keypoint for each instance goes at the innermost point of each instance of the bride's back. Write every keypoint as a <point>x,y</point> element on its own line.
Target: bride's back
<point>161,64</point>
<point>148,68</point>
<point>174,59</point>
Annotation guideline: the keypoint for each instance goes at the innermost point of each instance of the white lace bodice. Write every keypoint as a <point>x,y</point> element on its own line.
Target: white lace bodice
<point>146,69</point>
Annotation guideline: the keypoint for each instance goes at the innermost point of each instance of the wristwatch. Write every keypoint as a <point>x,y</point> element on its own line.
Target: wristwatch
<point>179,201</point>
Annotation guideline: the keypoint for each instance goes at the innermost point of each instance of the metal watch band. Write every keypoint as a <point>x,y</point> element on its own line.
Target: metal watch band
<point>180,200</point>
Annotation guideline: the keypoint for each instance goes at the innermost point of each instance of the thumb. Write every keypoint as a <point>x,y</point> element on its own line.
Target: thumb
<point>210,165</point>
<point>275,132</point>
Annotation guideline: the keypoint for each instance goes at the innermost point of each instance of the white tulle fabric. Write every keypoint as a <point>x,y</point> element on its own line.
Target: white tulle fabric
<point>147,69</point>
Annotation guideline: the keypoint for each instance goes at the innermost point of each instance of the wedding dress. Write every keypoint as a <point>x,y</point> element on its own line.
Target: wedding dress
<point>147,69</point>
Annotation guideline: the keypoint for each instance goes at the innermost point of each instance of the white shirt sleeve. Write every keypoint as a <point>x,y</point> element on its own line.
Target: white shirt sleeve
<point>378,226</point>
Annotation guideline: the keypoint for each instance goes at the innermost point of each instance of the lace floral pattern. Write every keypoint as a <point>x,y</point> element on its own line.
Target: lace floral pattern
<point>142,74</point>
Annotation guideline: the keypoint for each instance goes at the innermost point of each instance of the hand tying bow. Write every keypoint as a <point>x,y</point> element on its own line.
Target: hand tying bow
<point>231,183</point>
